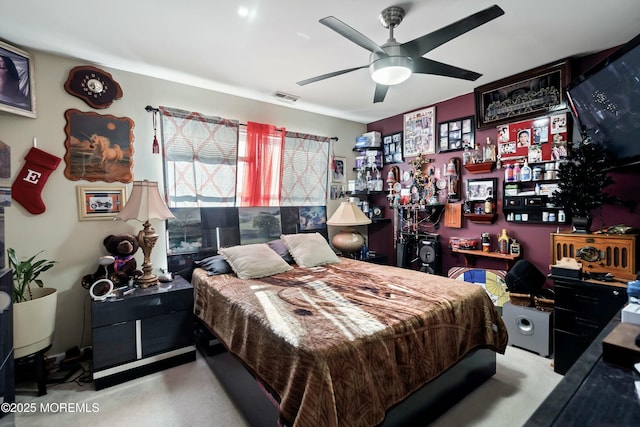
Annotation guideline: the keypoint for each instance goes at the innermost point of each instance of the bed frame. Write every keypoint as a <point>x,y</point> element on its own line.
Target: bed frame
<point>423,406</point>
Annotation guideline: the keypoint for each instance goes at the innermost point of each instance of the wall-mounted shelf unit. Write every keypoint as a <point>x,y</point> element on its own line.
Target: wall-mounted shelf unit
<point>470,256</point>
<point>481,218</point>
<point>523,204</point>
<point>483,167</point>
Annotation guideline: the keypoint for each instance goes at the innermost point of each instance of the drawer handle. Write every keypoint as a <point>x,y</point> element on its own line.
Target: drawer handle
<point>616,293</point>
<point>587,299</point>
<point>587,323</point>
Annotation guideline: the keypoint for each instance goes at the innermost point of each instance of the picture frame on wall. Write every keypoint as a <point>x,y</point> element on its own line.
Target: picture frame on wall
<point>17,95</point>
<point>456,134</point>
<point>338,172</point>
<point>392,146</point>
<point>99,147</point>
<point>528,94</point>
<point>100,203</point>
<point>481,189</point>
<point>420,132</point>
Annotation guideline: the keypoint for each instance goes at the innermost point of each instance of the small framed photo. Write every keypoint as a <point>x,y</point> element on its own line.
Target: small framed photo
<point>456,134</point>
<point>100,203</point>
<point>17,93</point>
<point>481,189</point>
<point>338,175</point>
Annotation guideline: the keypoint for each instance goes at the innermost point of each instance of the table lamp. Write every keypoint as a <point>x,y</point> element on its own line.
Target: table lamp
<point>144,204</point>
<point>348,215</point>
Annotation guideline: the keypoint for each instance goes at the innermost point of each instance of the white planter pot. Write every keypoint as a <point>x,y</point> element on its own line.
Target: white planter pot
<point>34,322</point>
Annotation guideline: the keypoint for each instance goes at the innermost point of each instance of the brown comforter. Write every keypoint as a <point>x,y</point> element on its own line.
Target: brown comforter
<point>342,343</point>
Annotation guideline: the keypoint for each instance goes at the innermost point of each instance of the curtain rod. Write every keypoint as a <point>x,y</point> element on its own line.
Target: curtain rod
<point>151,109</point>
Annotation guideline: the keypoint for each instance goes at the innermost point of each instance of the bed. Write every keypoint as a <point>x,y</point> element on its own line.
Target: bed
<point>339,344</point>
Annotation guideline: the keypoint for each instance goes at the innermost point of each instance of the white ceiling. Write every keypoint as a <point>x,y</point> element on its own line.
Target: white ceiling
<point>206,43</point>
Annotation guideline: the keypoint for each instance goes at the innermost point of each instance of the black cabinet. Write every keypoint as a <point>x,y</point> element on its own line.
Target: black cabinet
<point>146,331</point>
<point>7,390</point>
<point>582,309</point>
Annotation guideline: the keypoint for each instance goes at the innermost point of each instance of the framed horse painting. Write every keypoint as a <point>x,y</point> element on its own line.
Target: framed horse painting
<point>99,147</point>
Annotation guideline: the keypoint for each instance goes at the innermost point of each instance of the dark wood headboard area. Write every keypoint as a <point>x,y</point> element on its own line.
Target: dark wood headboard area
<point>197,233</point>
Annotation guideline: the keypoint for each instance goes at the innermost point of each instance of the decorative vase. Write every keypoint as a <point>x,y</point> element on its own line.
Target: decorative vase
<point>503,242</point>
<point>581,224</point>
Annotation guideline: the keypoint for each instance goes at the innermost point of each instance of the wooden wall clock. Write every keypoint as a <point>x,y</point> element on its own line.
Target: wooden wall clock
<point>94,86</point>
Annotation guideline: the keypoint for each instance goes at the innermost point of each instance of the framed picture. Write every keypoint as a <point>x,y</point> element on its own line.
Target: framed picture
<point>419,132</point>
<point>313,217</point>
<point>99,147</point>
<point>392,146</point>
<point>528,94</point>
<point>480,189</point>
<point>338,175</point>
<point>456,134</point>
<point>99,203</point>
<point>17,94</point>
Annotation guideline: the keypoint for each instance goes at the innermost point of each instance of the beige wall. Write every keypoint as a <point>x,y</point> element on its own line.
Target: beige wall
<point>76,245</point>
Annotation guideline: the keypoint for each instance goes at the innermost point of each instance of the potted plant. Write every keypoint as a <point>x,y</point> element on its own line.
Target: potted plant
<point>581,181</point>
<point>34,310</point>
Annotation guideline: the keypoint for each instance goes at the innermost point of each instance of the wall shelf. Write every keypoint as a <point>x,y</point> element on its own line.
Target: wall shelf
<point>480,167</point>
<point>470,256</point>
<point>482,218</point>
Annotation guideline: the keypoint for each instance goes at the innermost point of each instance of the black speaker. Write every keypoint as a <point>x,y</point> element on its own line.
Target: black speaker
<point>430,254</point>
<point>403,255</point>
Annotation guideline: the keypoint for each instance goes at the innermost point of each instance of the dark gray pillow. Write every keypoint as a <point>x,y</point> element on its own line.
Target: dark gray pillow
<point>214,265</point>
<point>279,247</point>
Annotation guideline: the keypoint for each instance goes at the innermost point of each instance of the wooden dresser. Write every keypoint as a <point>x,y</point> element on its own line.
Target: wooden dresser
<point>598,253</point>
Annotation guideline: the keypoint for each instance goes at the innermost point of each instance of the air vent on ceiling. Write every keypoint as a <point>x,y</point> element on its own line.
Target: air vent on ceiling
<point>285,97</point>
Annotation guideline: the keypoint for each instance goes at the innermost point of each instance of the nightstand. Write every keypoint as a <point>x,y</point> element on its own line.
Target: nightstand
<point>146,331</point>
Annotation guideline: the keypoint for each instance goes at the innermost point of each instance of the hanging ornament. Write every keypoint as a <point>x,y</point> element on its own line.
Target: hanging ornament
<point>156,146</point>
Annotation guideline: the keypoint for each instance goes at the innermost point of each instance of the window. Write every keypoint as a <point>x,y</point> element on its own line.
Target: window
<point>209,163</point>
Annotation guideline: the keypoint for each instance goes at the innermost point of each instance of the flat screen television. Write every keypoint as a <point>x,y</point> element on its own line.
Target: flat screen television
<point>605,101</point>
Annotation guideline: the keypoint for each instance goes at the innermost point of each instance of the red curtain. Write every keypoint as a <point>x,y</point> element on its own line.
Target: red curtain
<point>263,165</point>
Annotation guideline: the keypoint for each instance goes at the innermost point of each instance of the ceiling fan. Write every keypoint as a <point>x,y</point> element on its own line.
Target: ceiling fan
<point>393,62</point>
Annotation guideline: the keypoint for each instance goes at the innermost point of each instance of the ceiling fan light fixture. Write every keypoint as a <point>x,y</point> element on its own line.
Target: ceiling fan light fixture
<point>391,70</point>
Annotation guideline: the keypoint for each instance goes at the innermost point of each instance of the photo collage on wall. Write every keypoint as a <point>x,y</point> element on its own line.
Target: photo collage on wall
<point>538,140</point>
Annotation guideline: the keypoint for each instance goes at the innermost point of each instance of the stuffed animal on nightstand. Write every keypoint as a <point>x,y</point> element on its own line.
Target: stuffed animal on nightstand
<point>122,248</point>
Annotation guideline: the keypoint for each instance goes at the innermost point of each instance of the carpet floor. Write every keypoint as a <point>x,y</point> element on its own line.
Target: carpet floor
<point>191,395</point>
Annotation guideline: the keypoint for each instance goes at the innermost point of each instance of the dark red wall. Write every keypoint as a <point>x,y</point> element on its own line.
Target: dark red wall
<point>534,238</point>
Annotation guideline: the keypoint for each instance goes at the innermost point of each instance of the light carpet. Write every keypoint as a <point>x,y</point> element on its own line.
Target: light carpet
<point>191,395</point>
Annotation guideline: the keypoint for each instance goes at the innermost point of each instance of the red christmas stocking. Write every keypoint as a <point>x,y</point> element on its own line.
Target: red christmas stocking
<point>27,187</point>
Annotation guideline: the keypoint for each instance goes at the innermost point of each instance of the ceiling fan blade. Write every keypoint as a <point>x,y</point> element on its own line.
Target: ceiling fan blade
<point>428,42</point>
<point>429,66</point>
<point>355,36</point>
<point>381,92</point>
<point>328,75</point>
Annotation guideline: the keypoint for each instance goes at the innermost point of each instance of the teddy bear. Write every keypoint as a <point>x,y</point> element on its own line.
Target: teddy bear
<point>121,247</point>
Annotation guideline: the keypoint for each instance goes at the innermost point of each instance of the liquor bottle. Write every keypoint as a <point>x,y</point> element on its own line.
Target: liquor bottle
<point>503,242</point>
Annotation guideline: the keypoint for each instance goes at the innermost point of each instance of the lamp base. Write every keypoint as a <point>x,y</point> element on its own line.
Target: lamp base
<point>348,241</point>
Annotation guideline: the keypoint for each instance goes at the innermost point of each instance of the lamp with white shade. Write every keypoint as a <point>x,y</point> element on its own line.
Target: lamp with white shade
<point>144,204</point>
<point>348,215</point>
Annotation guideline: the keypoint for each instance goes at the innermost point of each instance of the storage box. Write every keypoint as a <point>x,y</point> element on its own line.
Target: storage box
<point>619,347</point>
<point>369,139</point>
<point>631,314</point>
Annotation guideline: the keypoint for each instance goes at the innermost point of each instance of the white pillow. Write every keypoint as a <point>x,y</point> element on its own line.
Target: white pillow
<point>254,261</point>
<point>309,249</point>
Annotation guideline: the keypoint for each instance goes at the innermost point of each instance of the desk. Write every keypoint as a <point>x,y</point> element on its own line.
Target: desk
<point>470,256</point>
<point>591,393</point>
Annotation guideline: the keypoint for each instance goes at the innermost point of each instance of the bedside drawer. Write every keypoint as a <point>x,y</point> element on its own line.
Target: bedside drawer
<point>598,304</point>
<point>140,307</point>
<point>571,322</point>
